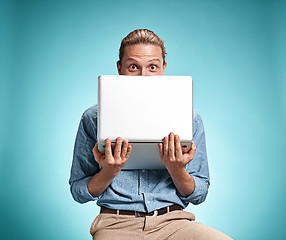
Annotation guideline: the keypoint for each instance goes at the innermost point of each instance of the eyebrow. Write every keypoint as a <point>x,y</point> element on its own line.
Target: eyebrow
<point>151,60</point>
<point>154,59</point>
<point>131,59</point>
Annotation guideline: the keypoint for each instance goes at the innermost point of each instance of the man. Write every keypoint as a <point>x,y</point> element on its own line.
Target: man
<point>141,204</point>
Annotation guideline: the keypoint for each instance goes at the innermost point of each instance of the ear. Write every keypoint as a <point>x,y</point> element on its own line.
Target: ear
<point>164,67</point>
<point>119,68</point>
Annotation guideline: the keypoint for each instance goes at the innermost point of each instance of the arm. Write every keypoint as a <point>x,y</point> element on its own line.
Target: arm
<point>184,182</point>
<point>175,160</point>
<point>111,165</point>
<point>192,180</point>
<point>87,181</point>
<point>83,164</point>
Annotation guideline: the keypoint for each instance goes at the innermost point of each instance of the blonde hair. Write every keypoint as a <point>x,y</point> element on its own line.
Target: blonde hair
<point>141,36</point>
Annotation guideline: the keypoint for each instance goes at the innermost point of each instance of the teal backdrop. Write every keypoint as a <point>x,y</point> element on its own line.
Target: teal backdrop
<point>51,55</point>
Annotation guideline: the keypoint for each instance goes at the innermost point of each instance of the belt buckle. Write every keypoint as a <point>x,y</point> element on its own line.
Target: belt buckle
<point>155,213</point>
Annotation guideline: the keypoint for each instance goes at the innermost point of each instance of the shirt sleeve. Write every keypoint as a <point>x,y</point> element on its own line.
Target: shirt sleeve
<point>84,165</point>
<point>198,167</point>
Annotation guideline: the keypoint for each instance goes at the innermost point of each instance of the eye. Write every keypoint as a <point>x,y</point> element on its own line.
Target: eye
<point>153,67</point>
<point>133,67</point>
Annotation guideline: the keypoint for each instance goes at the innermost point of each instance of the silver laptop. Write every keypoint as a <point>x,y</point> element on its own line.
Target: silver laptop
<point>144,109</point>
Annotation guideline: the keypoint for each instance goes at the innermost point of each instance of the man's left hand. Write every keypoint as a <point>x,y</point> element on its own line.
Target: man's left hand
<point>172,155</point>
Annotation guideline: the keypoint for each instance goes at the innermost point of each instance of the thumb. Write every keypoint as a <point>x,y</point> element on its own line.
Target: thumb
<point>192,151</point>
<point>97,155</point>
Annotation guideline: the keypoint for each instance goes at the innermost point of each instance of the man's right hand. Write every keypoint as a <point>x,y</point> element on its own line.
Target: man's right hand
<point>112,164</point>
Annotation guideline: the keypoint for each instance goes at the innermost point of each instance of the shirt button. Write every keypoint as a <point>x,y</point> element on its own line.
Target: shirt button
<point>148,202</point>
<point>143,170</point>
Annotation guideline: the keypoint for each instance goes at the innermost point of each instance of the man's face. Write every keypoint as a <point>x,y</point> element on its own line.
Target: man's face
<point>142,59</point>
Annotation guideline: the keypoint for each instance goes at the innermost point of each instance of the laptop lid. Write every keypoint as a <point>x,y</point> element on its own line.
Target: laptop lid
<point>144,109</point>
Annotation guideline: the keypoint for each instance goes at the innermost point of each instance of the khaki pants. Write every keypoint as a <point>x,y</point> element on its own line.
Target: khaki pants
<point>173,225</point>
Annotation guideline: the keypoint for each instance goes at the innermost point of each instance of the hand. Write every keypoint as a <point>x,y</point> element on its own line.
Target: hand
<point>172,155</point>
<point>110,164</point>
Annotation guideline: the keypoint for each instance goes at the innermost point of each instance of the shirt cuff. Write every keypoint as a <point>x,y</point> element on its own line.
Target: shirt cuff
<point>82,191</point>
<point>196,196</point>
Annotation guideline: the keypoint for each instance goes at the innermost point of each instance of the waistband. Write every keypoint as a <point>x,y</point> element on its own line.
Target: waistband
<point>158,212</point>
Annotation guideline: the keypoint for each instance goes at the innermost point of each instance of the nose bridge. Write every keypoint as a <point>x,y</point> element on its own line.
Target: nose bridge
<point>143,71</point>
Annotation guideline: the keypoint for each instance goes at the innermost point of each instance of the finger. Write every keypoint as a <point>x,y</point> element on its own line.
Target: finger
<point>192,151</point>
<point>185,150</point>
<point>97,155</point>
<point>178,147</point>
<point>117,149</point>
<point>171,145</point>
<point>129,149</point>
<point>124,148</point>
<point>160,145</point>
<point>108,151</point>
<point>165,141</point>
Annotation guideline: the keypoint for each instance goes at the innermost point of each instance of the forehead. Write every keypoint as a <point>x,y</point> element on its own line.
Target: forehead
<point>142,51</point>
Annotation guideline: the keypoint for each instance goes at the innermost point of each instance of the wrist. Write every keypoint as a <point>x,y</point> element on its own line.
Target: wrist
<point>107,174</point>
<point>176,172</point>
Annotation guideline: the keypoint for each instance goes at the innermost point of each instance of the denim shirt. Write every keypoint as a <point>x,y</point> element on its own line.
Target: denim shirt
<point>136,190</point>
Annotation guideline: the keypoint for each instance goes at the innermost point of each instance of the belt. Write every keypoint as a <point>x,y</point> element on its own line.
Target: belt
<point>158,212</point>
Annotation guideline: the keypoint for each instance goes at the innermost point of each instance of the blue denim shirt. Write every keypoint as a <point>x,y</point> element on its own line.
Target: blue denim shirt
<point>137,190</point>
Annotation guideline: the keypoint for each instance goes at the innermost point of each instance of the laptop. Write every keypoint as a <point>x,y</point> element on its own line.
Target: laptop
<point>144,109</point>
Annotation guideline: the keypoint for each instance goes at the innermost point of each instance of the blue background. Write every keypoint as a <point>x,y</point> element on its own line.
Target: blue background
<point>51,54</point>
